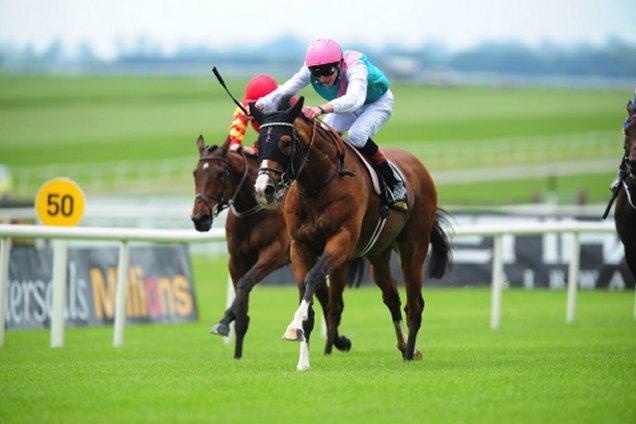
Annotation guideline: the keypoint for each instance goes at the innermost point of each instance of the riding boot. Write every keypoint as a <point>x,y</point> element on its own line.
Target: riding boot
<point>393,181</point>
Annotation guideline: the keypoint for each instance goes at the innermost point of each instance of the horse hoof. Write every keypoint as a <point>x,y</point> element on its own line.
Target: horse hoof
<point>343,344</point>
<point>417,356</point>
<point>220,329</point>
<point>294,334</point>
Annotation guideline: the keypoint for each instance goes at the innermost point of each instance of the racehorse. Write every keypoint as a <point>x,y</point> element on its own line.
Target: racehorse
<point>257,239</point>
<point>334,216</point>
<point>625,212</point>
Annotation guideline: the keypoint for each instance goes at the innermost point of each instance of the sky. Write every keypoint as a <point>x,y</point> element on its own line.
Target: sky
<point>457,24</point>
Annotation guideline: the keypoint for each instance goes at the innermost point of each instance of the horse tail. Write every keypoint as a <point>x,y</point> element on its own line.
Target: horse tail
<point>441,254</point>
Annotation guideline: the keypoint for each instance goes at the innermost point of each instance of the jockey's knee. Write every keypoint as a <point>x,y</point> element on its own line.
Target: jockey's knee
<point>358,140</point>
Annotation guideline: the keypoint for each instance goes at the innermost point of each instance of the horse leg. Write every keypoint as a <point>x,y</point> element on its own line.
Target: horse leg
<point>334,255</point>
<point>381,271</point>
<point>237,312</point>
<point>412,257</point>
<point>308,325</point>
<point>630,257</point>
<point>313,279</point>
<point>337,282</point>
<point>269,259</point>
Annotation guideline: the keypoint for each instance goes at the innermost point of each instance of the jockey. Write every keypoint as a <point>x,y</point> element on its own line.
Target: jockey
<point>358,101</point>
<point>622,169</point>
<point>257,87</point>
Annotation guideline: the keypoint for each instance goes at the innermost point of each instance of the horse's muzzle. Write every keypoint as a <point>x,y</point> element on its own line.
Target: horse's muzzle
<point>265,191</point>
<point>202,222</point>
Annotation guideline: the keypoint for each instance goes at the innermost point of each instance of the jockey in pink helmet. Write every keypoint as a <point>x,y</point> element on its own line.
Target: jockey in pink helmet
<point>257,87</point>
<point>358,101</point>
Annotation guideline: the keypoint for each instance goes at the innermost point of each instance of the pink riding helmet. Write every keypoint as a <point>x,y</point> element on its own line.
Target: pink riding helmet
<point>323,51</point>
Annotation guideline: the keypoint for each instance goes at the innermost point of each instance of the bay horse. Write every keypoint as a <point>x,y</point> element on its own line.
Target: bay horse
<point>334,216</point>
<point>257,239</point>
<point>625,211</point>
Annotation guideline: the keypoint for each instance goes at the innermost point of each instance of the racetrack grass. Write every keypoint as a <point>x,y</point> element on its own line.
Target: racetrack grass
<point>534,369</point>
<point>92,120</point>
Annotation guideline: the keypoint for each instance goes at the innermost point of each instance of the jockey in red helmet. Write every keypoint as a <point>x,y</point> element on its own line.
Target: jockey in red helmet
<point>257,87</point>
<point>359,101</point>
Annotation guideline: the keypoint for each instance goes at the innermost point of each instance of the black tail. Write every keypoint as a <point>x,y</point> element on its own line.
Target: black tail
<point>441,254</point>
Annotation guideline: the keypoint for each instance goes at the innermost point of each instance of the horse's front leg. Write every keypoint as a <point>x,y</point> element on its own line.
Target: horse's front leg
<point>308,283</point>
<point>269,259</point>
<point>336,251</point>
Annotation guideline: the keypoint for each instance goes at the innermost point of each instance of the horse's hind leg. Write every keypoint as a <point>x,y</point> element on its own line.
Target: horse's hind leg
<point>412,258</point>
<point>337,282</point>
<point>381,269</point>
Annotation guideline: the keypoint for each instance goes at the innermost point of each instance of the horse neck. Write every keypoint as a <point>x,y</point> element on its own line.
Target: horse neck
<point>321,154</point>
<point>243,194</point>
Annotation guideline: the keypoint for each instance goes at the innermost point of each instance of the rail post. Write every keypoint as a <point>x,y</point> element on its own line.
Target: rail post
<point>60,256</point>
<point>573,277</point>
<point>5,251</point>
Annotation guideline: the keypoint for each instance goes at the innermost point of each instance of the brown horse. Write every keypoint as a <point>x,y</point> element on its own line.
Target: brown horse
<point>257,239</point>
<point>334,216</point>
<point>625,212</point>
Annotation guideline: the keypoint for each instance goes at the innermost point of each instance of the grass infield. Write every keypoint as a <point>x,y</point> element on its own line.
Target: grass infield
<point>534,369</point>
<point>103,120</point>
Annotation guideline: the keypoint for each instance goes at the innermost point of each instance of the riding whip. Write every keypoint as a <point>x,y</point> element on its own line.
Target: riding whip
<point>218,77</point>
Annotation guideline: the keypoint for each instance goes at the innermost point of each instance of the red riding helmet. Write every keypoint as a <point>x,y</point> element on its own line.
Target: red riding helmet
<point>259,86</point>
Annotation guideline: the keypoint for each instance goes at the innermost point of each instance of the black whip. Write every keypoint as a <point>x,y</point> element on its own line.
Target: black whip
<point>218,77</point>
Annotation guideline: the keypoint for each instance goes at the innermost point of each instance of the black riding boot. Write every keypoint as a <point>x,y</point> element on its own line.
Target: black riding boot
<point>395,184</point>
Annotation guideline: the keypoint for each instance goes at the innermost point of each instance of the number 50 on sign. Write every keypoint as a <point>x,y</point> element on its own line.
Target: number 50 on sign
<point>60,201</point>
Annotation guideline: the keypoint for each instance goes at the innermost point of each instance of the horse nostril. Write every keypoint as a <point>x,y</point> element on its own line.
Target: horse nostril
<point>269,191</point>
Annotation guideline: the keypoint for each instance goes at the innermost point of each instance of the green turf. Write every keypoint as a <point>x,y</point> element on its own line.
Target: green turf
<point>92,120</point>
<point>534,369</point>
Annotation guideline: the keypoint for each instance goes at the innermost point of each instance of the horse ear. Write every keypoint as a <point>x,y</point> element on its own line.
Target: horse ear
<point>256,113</point>
<point>295,109</point>
<point>201,144</point>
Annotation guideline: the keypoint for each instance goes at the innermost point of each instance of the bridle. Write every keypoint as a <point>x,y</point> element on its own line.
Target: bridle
<point>289,174</point>
<point>221,203</point>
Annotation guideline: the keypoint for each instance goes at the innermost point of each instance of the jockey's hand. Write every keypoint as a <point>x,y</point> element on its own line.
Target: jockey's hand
<point>249,150</point>
<point>235,147</point>
<point>249,112</point>
<point>311,111</point>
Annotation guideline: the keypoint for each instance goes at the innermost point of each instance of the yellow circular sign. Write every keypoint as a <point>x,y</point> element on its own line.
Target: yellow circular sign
<point>60,202</point>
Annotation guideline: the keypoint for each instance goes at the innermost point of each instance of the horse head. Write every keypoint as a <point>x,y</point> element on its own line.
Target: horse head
<point>277,145</point>
<point>629,129</point>
<point>213,185</point>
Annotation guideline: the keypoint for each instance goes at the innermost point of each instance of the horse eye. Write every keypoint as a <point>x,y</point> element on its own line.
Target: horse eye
<point>285,145</point>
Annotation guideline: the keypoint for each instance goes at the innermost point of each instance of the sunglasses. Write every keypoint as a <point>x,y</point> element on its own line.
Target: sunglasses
<point>324,70</point>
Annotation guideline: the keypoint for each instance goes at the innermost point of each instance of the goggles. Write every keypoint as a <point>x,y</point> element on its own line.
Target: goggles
<point>324,70</point>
